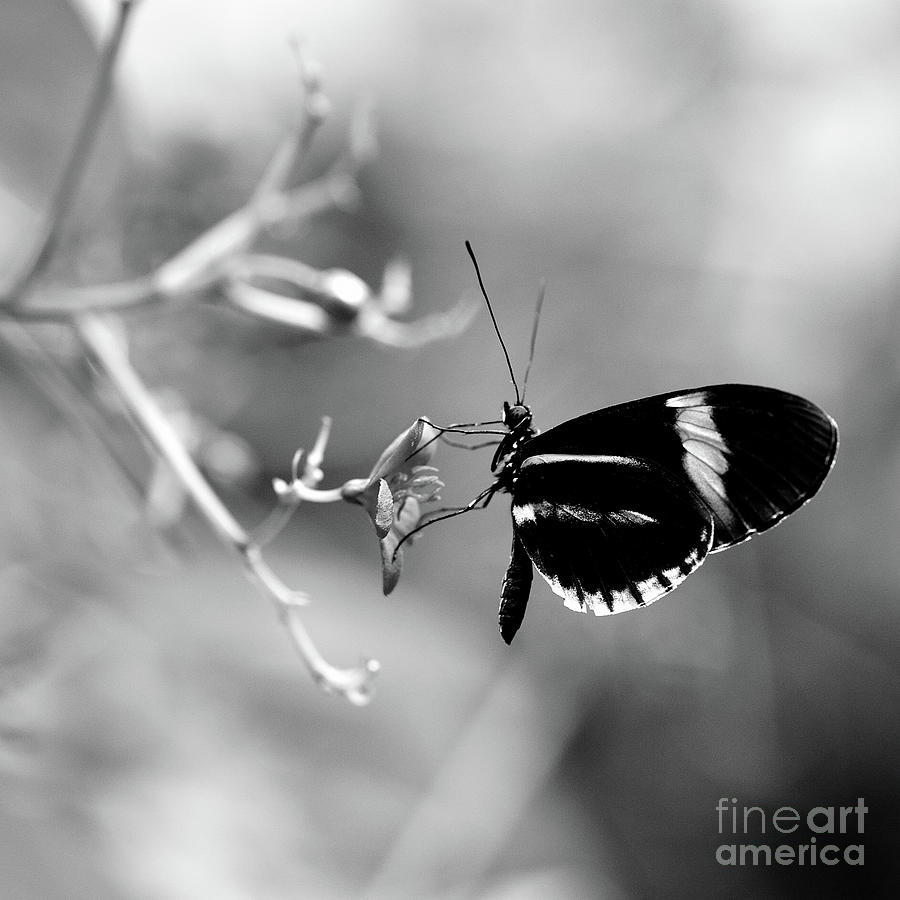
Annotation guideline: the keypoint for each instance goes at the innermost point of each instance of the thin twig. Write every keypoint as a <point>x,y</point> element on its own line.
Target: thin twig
<point>339,302</point>
<point>312,469</point>
<point>203,261</point>
<point>67,398</point>
<point>293,149</point>
<point>275,522</point>
<point>55,304</point>
<point>104,348</point>
<point>372,323</point>
<point>73,171</point>
<point>311,476</point>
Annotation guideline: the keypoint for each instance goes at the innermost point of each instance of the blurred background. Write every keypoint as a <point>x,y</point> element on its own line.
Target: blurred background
<point>712,192</point>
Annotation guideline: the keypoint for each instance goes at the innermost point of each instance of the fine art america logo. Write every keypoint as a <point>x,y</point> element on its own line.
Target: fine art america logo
<point>824,835</point>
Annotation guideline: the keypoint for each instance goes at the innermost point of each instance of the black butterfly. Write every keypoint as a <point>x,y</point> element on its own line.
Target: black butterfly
<point>617,507</point>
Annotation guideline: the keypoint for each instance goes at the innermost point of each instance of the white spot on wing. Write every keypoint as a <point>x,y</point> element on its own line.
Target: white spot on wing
<point>622,600</point>
<point>582,513</point>
<point>708,483</point>
<point>703,431</point>
<point>523,513</point>
<point>698,398</point>
<point>651,589</point>
<point>543,458</point>
<point>704,456</point>
<point>630,517</point>
<point>697,416</point>
<point>707,453</point>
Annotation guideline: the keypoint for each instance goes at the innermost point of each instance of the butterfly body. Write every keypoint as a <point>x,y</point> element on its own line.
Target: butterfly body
<point>508,457</point>
<point>617,507</point>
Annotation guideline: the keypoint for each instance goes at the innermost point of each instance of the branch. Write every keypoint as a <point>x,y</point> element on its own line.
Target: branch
<point>339,302</point>
<point>313,113</point>
<point>335,301</point>
<point>81,150</point>
<point>288,500</point>
<point>19,347</point>
<point>106,351</point>
<point>203,262</point>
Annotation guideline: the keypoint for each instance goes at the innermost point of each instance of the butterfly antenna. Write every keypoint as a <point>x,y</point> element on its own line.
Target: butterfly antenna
<point>537,318</point>
<point>512,377</point>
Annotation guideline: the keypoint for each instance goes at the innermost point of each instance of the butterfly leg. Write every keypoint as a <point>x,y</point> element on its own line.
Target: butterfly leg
<point>448,512</point>
<point>461,446</point>
<point>461,428</point>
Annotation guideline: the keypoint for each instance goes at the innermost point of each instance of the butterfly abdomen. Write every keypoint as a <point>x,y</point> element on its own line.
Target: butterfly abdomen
<point>515,591</point>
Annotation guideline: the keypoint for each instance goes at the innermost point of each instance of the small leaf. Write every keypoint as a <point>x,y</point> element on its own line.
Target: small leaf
<point>384,510</point>
<point>377,500</point>
<point>391,567</point>
<point>403,454</point>
<point>405,520</point>
<point>392,495</point>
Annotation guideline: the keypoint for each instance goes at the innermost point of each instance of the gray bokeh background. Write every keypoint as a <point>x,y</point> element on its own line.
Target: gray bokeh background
<point>712,193</point>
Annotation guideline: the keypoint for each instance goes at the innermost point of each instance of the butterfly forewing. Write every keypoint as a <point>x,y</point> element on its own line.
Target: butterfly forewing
<point>608,533</point>
<point>753,455</point>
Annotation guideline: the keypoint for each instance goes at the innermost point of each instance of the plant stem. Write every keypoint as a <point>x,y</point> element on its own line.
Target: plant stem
<point>106,351</point>
<point>81,150</point>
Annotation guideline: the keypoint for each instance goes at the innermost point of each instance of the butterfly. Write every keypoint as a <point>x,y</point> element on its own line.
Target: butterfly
<point>616,508</point>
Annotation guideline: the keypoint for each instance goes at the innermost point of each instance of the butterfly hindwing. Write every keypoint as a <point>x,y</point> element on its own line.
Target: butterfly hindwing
<point>608,533</point>
<point>753,455</point>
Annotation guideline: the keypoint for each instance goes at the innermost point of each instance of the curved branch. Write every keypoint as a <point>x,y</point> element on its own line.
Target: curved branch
<point>106,351</point>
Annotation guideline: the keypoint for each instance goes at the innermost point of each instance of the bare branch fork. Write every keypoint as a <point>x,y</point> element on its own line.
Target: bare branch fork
<point>332,301</point>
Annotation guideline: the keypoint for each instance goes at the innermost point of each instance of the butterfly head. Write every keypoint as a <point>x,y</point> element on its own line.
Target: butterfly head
<point>517,418</point>
<point>514,416</point>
